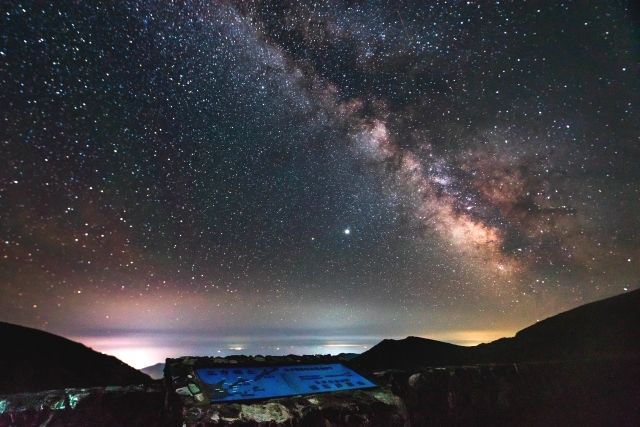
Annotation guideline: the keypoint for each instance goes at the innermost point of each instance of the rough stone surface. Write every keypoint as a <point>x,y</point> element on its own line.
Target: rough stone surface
<point>361,407</point>
<point>586,393</point>
<point>589,392</point>
<point>96,406</point>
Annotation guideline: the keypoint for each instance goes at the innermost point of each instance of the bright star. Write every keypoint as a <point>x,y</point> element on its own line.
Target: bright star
<point>347,231</point>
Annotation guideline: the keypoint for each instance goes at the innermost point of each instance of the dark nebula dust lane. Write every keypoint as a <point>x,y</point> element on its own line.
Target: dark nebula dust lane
<point>291,176</point>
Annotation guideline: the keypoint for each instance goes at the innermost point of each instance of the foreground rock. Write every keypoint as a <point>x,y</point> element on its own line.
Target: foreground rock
<point>586,393</point>
<point>122,406</point>
<point>354,408</point>
<point>597,392</point>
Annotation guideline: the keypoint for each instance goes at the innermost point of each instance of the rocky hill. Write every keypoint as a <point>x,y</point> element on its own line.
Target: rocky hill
<point>605,329</point>
<point>33,360</point>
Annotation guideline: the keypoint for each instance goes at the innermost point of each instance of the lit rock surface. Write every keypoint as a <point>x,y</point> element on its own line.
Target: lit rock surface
<point>95,406</point>
<point>360,407</point>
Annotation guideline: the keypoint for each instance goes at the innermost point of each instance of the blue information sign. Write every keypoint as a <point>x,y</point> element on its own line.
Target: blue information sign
<point>248,383</point>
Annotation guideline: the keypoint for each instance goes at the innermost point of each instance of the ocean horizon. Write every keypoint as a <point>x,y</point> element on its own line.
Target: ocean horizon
<point>140,350</point>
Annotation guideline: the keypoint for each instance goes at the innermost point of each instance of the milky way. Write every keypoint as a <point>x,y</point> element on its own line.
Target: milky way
<point>313,176</point>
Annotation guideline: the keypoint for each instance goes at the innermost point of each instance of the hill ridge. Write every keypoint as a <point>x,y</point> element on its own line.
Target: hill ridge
<point>35,360</point>
<point>600,329</point>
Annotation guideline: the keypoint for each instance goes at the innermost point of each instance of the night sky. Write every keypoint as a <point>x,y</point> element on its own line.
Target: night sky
<point>218,177</point>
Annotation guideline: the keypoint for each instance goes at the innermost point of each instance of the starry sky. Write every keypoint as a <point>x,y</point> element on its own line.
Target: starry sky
<point>219,177</point>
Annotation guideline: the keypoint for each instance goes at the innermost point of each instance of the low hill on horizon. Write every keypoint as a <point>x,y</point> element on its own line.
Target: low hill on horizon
<point>609,328</point>
<point>35,360</point>
<point>155,371</point>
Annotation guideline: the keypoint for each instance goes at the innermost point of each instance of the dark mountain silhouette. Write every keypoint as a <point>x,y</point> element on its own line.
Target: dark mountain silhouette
<point>33,360</point>
<point>604,329</point>
<point>409,352</point>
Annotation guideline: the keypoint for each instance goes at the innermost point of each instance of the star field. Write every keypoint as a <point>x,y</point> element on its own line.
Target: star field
<point>327,172</point>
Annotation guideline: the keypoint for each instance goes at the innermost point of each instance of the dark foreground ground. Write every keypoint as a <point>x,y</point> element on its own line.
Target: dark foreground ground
<point>588,393</point>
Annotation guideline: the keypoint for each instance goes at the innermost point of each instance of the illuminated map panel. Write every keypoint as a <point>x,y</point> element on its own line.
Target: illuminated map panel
<point>249,383</point>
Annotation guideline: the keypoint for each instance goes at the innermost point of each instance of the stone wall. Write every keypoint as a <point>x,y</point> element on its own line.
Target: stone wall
<point>74,407</point>
<point>586,393</point>
<point>604,392</point>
